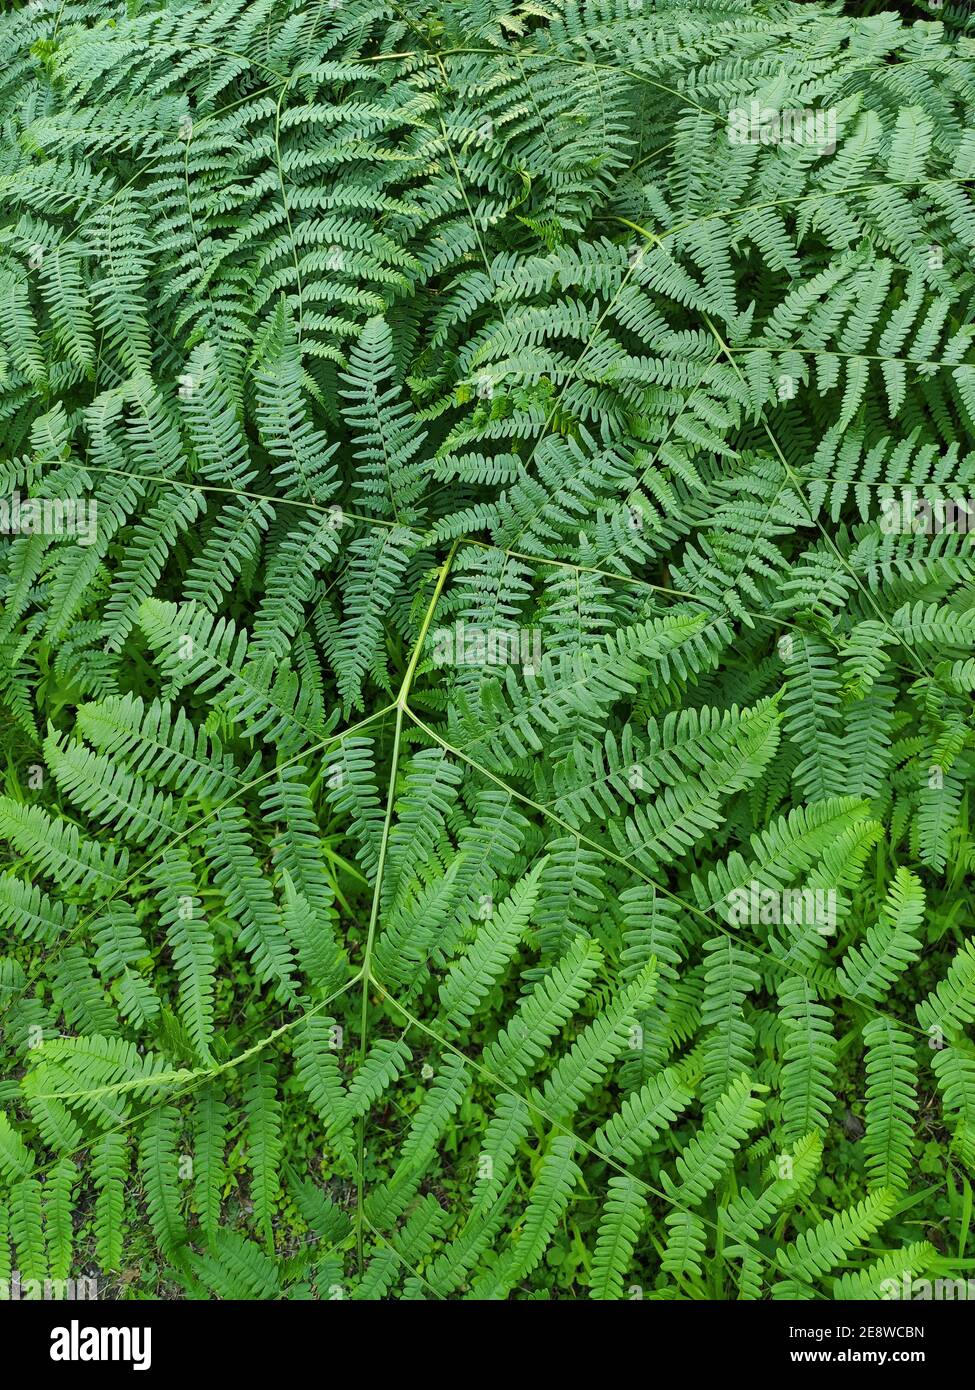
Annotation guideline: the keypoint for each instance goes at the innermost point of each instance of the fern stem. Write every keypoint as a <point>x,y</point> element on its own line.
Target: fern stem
<point>367,977</point>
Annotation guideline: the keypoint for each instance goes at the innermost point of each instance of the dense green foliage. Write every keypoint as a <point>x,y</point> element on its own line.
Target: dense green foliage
<point>486,801</point>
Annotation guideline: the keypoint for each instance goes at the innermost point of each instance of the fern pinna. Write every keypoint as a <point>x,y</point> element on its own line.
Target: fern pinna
<point>487,647</point>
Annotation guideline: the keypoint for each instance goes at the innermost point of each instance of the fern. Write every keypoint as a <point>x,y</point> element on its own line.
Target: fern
<point>619,1230</point>
<point>486,647</point>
